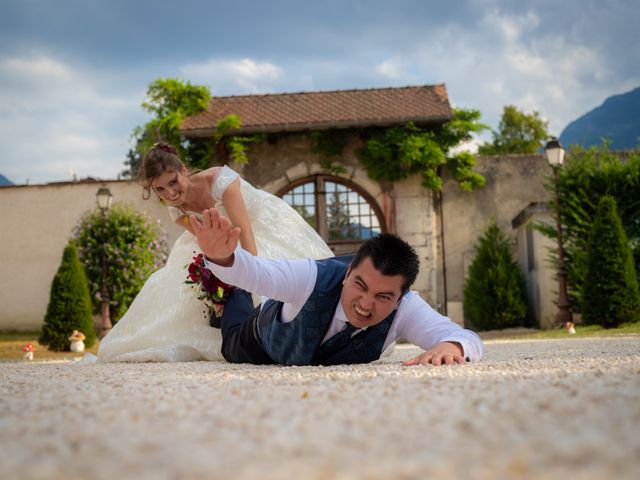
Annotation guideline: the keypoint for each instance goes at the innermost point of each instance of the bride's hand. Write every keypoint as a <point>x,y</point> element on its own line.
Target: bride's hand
<point>217,238</point>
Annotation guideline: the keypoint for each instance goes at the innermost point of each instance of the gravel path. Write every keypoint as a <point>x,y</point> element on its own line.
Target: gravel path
<point>531,409</point>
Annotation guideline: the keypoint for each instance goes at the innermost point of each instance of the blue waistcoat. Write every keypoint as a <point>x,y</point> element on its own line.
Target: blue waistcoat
<point>295,342</point>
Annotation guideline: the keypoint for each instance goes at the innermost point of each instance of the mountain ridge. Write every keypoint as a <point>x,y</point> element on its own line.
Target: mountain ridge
<point>617,120</point>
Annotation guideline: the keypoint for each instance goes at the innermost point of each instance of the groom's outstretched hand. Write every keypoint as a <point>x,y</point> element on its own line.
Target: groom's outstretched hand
<point>445,353</point>
<point>216,236</point>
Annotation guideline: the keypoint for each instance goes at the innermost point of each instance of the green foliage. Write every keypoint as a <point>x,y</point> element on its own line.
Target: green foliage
<point>392,154</point>
<point>583,180</point>
<point>69,306</point>
<point>495,292</point>
<point>330,144</point>
<point>170,101</point>
<point>237,146</point>
<point>132,247</point>
<point>610,290</point>
<point>518,132</point>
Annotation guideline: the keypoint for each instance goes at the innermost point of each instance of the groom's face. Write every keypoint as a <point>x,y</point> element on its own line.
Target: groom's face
<point>368,296</point>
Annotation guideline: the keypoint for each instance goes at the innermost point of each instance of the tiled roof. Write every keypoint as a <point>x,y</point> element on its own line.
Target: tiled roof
<point>321,110</point>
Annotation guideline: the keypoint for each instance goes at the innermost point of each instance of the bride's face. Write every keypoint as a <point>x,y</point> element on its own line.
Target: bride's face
<point>171,186</point>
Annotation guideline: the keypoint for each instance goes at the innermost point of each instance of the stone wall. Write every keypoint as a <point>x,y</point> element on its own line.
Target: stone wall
<point>513,182</point>
<point>533,255</point>
<point>37,222</point>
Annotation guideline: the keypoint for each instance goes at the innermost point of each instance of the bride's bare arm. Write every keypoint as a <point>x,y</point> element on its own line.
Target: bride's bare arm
<point>237,212</point>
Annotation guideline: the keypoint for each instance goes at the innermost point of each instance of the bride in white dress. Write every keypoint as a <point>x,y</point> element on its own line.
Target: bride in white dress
<point>166,322</point>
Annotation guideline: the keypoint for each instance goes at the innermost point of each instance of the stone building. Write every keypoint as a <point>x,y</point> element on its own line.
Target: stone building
<point>345,207</point>
<point>443,227</point>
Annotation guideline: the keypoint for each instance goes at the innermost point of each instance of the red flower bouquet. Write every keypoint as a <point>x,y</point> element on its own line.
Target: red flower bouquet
<point>212,291</point>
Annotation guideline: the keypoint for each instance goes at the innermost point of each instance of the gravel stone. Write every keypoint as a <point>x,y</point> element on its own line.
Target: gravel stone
<point>531,409</point>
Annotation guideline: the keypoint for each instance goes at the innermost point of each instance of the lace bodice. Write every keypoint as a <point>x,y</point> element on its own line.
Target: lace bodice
<point>222,180</point>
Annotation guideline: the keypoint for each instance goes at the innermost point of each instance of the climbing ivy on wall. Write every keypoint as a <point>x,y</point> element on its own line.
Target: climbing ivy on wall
<point>394,153</point>
<point>236,145</point>
<point>330,144</point>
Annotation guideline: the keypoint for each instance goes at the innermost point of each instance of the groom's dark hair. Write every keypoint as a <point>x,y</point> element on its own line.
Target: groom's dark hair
<point>390,255</point>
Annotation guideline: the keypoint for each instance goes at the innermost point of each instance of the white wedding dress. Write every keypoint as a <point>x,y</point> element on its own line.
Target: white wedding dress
<point>166,322</point>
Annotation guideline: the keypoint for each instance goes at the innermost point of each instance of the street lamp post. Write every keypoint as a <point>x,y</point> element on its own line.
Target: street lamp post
<point>554,153</point>
<point>103,198</point>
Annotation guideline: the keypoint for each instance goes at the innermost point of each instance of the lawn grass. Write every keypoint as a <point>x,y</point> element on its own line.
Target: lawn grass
<point>581,331</point>
<point>11,348</point>
<point>11,342</point>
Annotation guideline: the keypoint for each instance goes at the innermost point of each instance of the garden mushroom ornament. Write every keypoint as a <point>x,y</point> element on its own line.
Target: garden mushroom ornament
<point>77,341</point>
<point>28,350</point>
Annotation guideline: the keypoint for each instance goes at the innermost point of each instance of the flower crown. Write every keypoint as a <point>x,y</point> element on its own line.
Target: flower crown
<point>165,147</point>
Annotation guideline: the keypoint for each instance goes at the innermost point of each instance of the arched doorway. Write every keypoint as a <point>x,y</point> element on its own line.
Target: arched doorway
<point>343,213</point>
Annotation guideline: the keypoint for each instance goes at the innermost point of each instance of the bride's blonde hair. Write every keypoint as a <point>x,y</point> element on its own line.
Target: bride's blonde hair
<point>157,160</point>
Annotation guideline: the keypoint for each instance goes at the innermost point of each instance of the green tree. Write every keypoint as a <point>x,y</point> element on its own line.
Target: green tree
<point>170,101</point>
<point>518,132</point>
<point>610,290</point>
<point>391,154</point>
<point>131,245</point>
<point>69,306</point>
<point>583,180</point>
<point>495,292</point>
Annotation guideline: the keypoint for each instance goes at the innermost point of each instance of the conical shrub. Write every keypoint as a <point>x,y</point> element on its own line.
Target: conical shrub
<point>610,291</point>
<point>69,306</point>
<point>495,292</point>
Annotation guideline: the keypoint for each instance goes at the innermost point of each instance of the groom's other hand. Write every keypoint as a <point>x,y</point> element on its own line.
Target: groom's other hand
<point>445,353</point>
<point>217,238</point>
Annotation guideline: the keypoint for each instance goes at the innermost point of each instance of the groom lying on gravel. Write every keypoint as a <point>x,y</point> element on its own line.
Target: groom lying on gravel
<point>339,310</point>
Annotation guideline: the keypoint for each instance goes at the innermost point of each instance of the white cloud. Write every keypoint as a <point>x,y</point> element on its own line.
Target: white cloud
<point>389,69</point>
<point>238,76</point>
<point>38,66</point>
<point>507,60</point>
<point>511,27</point>
<point>56,117</point>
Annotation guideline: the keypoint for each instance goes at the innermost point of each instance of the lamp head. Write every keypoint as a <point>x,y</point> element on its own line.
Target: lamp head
<point>103,198</point>
<point>554,152</point>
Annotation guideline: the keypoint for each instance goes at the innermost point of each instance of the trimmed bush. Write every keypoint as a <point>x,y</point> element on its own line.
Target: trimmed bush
<point>495,292</point>
<point>69,306</point>
<point>610,292</point>
<point>586,176</point>
<point>132,245</point>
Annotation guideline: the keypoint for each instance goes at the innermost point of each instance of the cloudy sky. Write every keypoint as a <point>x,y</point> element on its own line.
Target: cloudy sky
<point>74,72</point>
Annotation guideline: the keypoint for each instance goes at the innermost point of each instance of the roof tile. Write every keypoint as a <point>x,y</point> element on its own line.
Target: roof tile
<point>318,110</point>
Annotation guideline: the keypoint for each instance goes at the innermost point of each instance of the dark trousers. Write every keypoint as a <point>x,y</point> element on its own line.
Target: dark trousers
<point>240,340</point>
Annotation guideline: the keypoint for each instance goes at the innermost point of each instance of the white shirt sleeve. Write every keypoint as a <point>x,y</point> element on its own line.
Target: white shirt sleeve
<point>417,322</point>
<point>290,281</point>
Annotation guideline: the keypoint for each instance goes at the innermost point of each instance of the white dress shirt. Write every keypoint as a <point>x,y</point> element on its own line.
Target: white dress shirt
<point>291,281</point>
